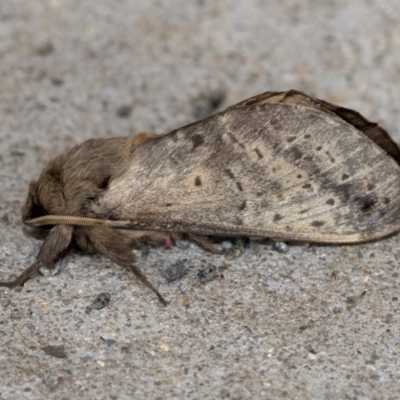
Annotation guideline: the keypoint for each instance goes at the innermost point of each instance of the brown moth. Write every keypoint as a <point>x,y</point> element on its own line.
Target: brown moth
<point>279,165</point>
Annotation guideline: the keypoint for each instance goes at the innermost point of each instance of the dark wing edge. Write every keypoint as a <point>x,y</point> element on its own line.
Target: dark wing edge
<point>371,129</point>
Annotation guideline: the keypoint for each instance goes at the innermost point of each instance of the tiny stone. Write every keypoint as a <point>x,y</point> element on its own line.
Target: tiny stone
<point>44,49</point>
<point>281,247</point>
<point>175,271</point>
<point>226,244</point>
<point>5,219</point>
<point>207,273</point>
<point>236,251</point>
<point>374,356</point>
<point>205,104</point>
<point>337,309</point>
<point>124,111</point>
<point>182,244</point>
<point>303,328</point>
<point>57,81</point>
<point>334,275</point>
<point>17,153</point>
<point>31,327</point>
<point>312,351</point>
<point>55,351</point>
<point>352,301</point>
<point>108,342</point>
<point>16,315</point>
<point>388,319</point>
<point>102,300</point>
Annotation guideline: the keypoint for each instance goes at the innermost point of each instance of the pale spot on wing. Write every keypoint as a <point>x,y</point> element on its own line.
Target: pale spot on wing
<point>197,179</point>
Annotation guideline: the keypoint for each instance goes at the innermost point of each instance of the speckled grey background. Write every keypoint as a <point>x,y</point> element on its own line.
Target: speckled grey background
<point>317,322</point>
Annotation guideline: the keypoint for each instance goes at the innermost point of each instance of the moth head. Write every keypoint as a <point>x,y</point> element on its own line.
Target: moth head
<point>71,182</point>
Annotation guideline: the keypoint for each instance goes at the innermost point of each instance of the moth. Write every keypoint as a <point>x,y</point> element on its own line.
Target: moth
<point>280,165</point>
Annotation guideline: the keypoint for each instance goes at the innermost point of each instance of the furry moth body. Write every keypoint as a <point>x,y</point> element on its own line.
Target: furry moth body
<point>278,165</point>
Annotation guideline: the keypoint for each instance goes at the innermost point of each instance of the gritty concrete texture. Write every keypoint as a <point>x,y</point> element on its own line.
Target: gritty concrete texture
<point>317,322</point>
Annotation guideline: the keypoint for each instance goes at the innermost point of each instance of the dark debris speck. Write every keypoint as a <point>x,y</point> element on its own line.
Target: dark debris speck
<point>55,351</point>
<point>175,271</point>
<point>124,111</point>
<point>102,300</point>
<point>207,273</point>
<point>44,49</point>
<point>57,81</point>
<point>108,342</point>
<point>206,103</point>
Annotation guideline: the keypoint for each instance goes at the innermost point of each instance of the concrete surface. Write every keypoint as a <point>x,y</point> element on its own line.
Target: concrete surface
<point>318,322</point>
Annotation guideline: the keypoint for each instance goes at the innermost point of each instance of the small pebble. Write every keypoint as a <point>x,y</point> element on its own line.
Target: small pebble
<point>207,273</point>
<point>337,309</point>
<point>236,250</point>
<point>44,49</point>
<point>57,81</point>
<point>102,300</point>
<point>55,351</point>
<point>175,271</point>
<point>5,219</point>
<point>226,244</point>
<point>182,244</point>
<point>388,319</point>
<point>352,301</point>
<point>124,111</point>
<point>108,342</point>
<point>281,247</point>
<point>206,103</point>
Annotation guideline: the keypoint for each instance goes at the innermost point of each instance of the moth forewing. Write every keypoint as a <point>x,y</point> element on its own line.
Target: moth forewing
<point>269,169</point>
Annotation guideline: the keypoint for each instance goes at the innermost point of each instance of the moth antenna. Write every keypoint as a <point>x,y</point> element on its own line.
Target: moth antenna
<point>72,220</point>
<point>21,279</point>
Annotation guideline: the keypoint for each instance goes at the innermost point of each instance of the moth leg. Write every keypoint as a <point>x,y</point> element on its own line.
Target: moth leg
<point>116,246</point>
<point>55,243</point>
<point>205,243</point>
